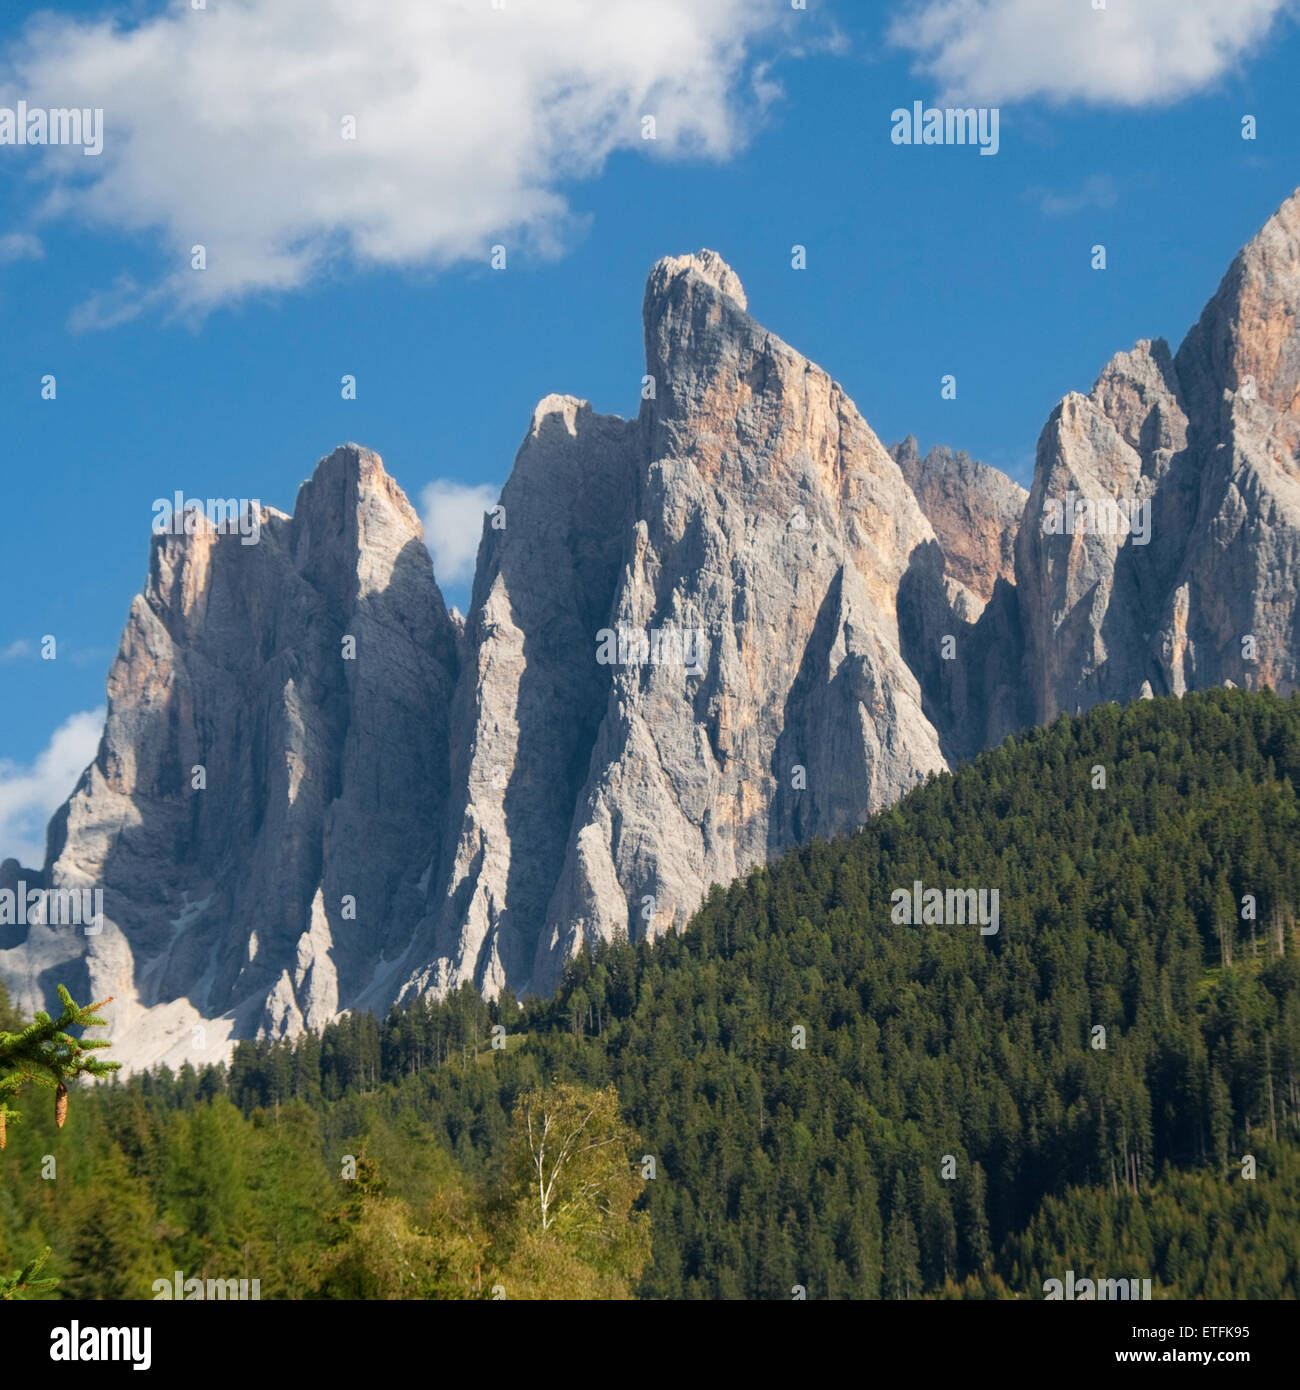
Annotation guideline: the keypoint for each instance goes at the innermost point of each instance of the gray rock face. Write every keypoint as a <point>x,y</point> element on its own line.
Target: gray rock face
<point>696,638</point>
<point>530,700</point>
<point>975,511</point>
<point>261,804</point>
<point>959,618</point>
<point>1085,595</point>
<point>1207,440</point>
<point>736,551</point>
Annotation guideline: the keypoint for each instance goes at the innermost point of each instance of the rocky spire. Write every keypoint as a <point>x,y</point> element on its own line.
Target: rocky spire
<point>696,637</point>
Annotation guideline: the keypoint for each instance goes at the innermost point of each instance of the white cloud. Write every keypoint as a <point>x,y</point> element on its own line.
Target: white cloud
<point>16,650</point>
<point>124,301</point>
<point>224,126</point>
<point>1098,191</point>
<point>20,246</point>
<point>452,514</point>
<point>29,795</point>
<point>1132,53</point>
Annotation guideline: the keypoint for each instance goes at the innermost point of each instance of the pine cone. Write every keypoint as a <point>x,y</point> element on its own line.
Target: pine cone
<point>4,1138</point>
<point>60,1105</point>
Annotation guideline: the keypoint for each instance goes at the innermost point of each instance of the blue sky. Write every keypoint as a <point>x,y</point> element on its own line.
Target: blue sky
<point>921,260</point>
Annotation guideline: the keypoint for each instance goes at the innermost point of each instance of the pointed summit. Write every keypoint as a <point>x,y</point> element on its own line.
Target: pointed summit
<point>718,629</point>
<point>1248,336</point>
<point>706,266</point>
<point>693,306</point>
<point>699,341</point>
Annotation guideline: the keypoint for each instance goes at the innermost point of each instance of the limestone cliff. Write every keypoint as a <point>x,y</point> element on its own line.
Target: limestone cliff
<point>696,637</point>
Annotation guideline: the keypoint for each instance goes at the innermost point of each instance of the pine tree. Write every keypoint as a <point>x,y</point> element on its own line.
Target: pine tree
<point>902,1253</point>
<point>110,1235</point>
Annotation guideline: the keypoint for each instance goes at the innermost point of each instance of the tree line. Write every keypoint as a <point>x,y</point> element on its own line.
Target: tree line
<point>824,1101</point>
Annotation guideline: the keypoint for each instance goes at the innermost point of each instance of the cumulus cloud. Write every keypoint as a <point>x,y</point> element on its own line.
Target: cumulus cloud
<point>452,514</point>
<point>225,127</point>
<point>1129,54</point>
<point>30,794</point>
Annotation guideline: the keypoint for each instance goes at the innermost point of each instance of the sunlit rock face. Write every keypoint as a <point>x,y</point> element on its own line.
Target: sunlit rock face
<point>696,637</point>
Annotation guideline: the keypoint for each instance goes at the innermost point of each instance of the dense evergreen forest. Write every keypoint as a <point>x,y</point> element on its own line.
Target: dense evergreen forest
<point>806,1093</point>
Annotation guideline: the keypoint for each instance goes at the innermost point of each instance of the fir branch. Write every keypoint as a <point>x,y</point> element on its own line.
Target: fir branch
<point>24,1281</point>
<point>45,1054</point>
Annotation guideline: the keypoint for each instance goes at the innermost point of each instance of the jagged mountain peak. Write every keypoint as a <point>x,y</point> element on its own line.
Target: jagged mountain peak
<point>974,509</point>
<point>696,637</point>
<point>706,266</point>
<point>348,488</point>
<point>1246,339</point>
<point>700,344</point>
<point>1182,575</point>
<point>1139,393</point>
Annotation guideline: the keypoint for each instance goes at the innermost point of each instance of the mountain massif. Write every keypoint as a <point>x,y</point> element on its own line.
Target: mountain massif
<point>696,638</point>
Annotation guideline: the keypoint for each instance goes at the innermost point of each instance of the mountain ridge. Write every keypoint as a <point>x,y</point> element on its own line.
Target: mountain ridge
<point>472,802</point>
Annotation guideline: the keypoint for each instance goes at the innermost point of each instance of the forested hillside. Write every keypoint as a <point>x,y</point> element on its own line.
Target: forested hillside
<point>831,1099</point>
